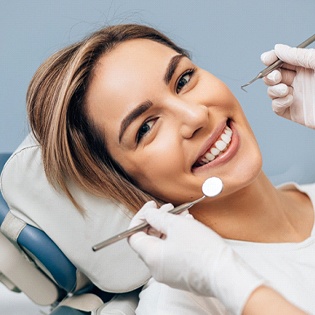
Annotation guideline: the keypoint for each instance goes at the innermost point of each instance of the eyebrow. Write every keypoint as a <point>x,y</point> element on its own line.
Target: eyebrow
<point>133,115</point>
<point>143,107</point>
<point>172,67</point>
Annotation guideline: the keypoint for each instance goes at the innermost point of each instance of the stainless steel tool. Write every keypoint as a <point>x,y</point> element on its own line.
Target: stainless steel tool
<point>211,188</point>
<point>278,63</point>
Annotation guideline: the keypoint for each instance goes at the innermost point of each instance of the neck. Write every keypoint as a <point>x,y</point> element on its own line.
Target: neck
<point>259,213</point>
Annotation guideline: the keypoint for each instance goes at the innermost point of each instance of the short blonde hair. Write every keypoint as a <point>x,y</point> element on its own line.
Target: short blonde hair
<point>72,147</point>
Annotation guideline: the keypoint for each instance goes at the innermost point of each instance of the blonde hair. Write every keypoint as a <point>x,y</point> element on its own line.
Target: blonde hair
<point>72,147</point>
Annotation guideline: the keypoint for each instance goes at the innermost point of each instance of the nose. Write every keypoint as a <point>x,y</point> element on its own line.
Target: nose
<point>191,117</point>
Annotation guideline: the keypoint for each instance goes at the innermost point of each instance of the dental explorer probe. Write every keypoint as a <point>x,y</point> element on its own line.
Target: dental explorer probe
<point>277,64</point>
<point>210,188</point>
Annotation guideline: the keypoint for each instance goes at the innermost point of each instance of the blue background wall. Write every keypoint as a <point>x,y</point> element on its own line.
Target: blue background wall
<point>225,37</point>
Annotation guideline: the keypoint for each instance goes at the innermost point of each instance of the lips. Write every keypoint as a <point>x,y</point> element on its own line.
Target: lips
<point>215,149</point>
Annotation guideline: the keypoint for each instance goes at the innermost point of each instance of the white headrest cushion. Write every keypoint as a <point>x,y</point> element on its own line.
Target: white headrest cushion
<point>30,197</point>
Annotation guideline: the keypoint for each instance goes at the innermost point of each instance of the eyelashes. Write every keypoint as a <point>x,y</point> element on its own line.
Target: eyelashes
<point>144,129</point>
<point>184,79</point>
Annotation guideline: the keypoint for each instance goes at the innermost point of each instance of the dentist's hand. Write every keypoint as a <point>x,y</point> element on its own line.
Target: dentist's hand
<point>292,87</point>
<point>190,256</point>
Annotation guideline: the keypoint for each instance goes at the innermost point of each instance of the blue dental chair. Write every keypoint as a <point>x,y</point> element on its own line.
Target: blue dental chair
<point>33,253</point>
<point>32,263</point>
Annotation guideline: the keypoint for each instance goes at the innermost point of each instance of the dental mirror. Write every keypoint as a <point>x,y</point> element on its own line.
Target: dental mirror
<point>210,188</point>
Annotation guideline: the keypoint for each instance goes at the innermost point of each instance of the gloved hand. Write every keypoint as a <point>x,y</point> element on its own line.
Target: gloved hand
<point>190,256</point>
<point>292,87</point>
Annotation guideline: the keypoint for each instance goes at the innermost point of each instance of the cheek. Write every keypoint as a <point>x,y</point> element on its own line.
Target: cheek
<point>154,168</point>
<point>152,165</point>
<point>214,91</point>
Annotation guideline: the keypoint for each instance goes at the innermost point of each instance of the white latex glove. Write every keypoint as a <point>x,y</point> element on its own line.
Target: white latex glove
<point>190,256</point>
<point>292,87</point>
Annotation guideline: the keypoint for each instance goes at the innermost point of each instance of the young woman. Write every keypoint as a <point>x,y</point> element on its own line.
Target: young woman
<point>126,114</point>
<point>291,89</point>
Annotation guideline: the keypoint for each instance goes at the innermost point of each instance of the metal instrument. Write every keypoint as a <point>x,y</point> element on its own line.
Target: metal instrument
<point>278,63</point>
<point>142,226</point>
<point>211,188</point>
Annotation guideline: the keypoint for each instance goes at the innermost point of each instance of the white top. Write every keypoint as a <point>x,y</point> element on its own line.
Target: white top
<point>289,268</point>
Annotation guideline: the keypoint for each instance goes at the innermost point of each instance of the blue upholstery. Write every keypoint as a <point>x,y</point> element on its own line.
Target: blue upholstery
<point>65,310</point>
<point>47,252</point>
<point>42,247</point>
<point>3,205</point>
<point>3,158</point>
<point>3,209</point>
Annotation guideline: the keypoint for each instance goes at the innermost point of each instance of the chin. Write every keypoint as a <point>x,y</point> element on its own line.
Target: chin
<point>247,175</point>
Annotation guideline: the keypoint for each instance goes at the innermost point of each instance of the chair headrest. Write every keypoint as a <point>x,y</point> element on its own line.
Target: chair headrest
<point>31,197</point>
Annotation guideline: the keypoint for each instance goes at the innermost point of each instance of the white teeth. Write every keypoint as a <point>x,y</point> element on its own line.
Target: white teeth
<point>215,151</point>
<point>209,156</point>
<point>218,147</point>
<point>228,131</point>
<point>226,138</point>
<point>204,161</point>
<point>221,145</point>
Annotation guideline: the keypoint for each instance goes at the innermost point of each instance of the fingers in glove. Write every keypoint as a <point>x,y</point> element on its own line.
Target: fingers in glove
<point>273,78</point>
<point>296,56</point>
<point>142,243</point>
<point>189,216</point>
<point>281,106</point>
<point>280,76</point>
<point>268,57</point>
<point>139,216</point>
<point>279,90</point>
<point>287,76</point>
<point>154,232</point>
<point>166,207</point>
<point>161,221</point>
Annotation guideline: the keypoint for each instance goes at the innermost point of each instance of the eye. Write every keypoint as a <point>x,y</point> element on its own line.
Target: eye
<point>184,79</point>
<point>144,129</point>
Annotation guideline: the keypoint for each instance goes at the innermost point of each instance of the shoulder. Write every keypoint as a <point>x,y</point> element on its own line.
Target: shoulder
<point>308,189</point>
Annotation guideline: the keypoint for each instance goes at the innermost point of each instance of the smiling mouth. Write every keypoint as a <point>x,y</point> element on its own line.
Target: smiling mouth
<point>216,149</point>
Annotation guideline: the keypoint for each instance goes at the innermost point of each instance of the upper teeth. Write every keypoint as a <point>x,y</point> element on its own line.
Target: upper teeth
<point>219,146</point>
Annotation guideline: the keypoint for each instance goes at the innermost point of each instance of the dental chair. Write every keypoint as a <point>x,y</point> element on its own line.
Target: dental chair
<point>31,262</point>
<point>20,273</point>
<point>35,266</point>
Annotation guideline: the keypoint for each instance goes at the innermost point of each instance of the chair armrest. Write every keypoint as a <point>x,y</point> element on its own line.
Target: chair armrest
<point>49,255</point>
<point>25,276</point>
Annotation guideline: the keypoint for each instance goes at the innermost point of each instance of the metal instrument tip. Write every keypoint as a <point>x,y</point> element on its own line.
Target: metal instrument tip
<point>243,87</point>
<point>250,82</point>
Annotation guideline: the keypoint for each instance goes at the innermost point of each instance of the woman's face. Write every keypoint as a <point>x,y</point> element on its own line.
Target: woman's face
<point>169,123</point>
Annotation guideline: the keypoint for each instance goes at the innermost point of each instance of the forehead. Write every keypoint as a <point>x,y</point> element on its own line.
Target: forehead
<point>131,59</point>
<point>124,77</point>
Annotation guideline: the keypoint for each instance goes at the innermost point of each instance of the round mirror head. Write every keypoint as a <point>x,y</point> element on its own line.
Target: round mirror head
<point>212,186</point>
